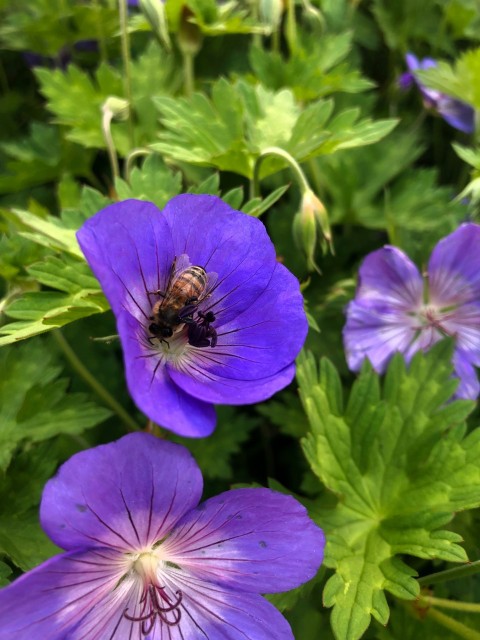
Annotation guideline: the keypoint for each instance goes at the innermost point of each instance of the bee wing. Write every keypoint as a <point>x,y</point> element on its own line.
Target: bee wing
<point>212,278</point>
<point>179,265</point>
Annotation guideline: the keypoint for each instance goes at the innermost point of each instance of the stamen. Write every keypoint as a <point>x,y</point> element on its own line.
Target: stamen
<point>156,596</point>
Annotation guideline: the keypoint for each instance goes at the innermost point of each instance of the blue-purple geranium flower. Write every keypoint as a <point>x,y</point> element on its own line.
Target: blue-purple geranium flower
<point>233,342</point>
<point>396,310</point>
<point>144,560</point>
<point>458,114</point>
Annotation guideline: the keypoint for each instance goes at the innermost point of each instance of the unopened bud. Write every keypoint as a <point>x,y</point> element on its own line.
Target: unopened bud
<point>271,13</point>
<point>116,108</point>
<point>190,37</point>
<point>154,11</point>
<point>306,223</point>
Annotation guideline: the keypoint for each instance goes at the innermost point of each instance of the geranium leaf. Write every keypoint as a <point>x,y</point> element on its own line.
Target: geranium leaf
<point>35,403</point>
<point>400,465</point>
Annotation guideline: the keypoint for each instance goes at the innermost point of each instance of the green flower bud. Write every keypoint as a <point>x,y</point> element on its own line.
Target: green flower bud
<point>190,37</point>
<point>306,223</point>
<point>117,108</point>
<point>154,11</point>
<point>271,13</point>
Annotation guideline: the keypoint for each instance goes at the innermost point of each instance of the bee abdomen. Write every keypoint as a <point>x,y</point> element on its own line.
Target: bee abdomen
<point>191,283</point>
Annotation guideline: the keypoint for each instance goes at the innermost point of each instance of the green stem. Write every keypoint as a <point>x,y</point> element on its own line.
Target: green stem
<point>451,574</point>
<point>122,9</point>
<point>291,26</point>
<point>284,155</point>
<point>454,625</point>
<point>101,33</point>
<point>107,134</point>
<point>188,73</point>
<point>92,382</point>
<point>136,153</point>
<point>443,603</point>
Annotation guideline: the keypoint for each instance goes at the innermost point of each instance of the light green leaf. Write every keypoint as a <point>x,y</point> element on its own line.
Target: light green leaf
<point>35,403</point>
<point>231,130</point>
<point>154,182</point>
<point>78,295</point>
<point>400,465</point>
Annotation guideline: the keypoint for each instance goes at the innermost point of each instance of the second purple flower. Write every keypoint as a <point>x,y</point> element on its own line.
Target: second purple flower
<point>204,311</point>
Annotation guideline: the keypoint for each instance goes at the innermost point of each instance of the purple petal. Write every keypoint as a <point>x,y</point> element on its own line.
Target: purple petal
<point>125,495</point>
<point>389,277</point>
<point>153,390</point>
<point>249,539</point>
<point>252,349</point>
<point>51,600</point>
<point>379,321</point>
<point>210,612</point>
<point>406,80</point>
<point>458,114</point>
<point>129,247</point>
<point>469,387</point>
<point>221,390</point>
<point>454,268</point>
<point>376,332</point>
<point>226,242</point>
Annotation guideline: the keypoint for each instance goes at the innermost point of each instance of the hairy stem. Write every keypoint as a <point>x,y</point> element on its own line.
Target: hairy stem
<point>92,382</point>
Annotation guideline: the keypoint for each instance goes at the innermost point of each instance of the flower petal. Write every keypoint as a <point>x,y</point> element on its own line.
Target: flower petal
<point>210,612</point>
<point>469,387</point>
<point>379,319</point>
<point>220,390</point>
<point>454,268</point>
<point>251,348</point>
<point>125,495</point>
<point>51,600</point>
<point>458,114</point>
<point>154,392</point>
<point>224,241</point>
<point>129,247</point>
<point>249,539</point>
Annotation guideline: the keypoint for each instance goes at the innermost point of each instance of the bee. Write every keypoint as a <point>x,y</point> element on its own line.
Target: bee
<point>187,286</point>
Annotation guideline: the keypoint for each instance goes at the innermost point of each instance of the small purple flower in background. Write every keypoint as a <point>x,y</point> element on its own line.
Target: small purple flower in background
<point>458,114</point>
<point>144,560</point>
<point>395,310</point>
<point>204,311</point>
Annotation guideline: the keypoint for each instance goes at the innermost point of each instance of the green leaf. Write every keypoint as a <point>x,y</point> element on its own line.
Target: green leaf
<point>5,572</point>
<point>78,296</point>
<point>214,454</point>
<point>313,70</point>
<point>400,465</point>
<point>35,403</point>
<point>461,80</point>
<point>232,129</point>
<point>154,182</point>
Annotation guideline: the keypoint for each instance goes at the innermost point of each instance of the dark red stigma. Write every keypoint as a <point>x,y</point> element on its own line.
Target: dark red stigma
<point>155,602</point>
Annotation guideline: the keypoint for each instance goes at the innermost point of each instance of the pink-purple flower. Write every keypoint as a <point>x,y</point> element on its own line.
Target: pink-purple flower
<point>144,560</point>
<point>204,311</point>
<point>396,309</point>
<point>458,114</point>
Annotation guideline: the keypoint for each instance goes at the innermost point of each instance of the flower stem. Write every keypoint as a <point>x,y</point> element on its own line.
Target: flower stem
<point>101,33</point>
<point>290,160</point>
<point>135,153</point>
<point>291,26</point>
<point>454,625</point>
<point>107,134</point>
<point>444,603</point>
<point>122,10</point>
<point>451,574</point>
<point>188,73</point>
<point>92,382</point>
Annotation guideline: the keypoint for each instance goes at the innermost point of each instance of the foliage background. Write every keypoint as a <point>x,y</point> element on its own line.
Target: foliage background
<point>205,90</point>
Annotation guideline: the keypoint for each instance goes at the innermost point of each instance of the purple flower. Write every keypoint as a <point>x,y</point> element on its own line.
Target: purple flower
<point>204,311</point>
<point>395,310</point>
<point>144,560</point>
<point>458,114</point>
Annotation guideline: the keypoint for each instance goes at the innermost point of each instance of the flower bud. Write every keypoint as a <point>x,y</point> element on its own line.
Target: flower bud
<point>271,13</point>
<point>154,11</point>
<point>117,108</point>
<point>190,37</point>
<point>312,216</point>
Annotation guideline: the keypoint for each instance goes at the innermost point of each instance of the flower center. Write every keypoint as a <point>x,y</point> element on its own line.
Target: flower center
<point>154,602</point>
